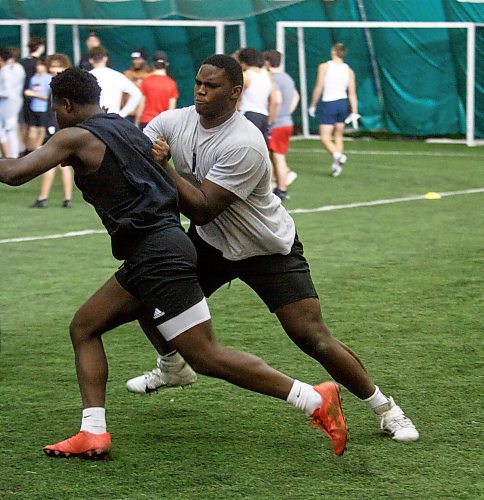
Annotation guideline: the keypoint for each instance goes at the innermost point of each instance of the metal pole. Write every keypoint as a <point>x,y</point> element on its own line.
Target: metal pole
<point>280,41</point>
<point>76,46</point>
<point>303,82</point>
<point>371,51</point>
<point>242,35</point>
<point>471,49</point>
<point>50,37</point>
<point>219,38</point>
<point>24,38</point>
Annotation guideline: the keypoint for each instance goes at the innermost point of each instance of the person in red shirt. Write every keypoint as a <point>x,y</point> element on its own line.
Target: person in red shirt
<point>160,92</point>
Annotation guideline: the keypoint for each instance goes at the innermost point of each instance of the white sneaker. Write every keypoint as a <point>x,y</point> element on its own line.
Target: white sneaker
<point>395,423</point>
<point>336,169</point>
<point>291,177</point>
<point>166,374</point>
<point>342,159</point>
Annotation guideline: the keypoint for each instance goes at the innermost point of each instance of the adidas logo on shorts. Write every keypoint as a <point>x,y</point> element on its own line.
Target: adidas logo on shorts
<point>158,314</point>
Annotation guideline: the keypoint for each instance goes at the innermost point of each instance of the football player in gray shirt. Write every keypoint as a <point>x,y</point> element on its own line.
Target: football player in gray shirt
<point>241,230</point>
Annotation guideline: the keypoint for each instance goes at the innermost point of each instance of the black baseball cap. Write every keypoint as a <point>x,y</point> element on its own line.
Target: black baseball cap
<point>160,56</point>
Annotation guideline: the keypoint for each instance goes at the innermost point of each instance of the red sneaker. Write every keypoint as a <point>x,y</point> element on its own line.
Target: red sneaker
<point>329,417</point>
<point>84,444</point>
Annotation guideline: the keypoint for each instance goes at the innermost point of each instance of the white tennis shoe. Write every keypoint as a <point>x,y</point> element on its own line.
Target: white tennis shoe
<point>336,169</point>
<point>168,373</point>
<point>394,422</point>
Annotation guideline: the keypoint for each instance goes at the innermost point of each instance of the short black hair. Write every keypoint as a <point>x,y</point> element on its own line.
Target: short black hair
<point>251,57</point>
<point>5,54</point>
<point>76,84</point>
<point>35,42</point>
<point>230,65</point>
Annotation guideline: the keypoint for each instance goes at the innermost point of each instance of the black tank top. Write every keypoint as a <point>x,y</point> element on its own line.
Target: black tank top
<point>129,191</point>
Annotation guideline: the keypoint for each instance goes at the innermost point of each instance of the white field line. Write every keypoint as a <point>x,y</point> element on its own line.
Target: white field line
<point>54,236</point>
<point>391,153</point>
<point>329,208</point>
<point>326,208</point>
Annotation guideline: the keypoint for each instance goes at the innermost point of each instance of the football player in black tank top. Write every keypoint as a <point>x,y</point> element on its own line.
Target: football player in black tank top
<point>157,283</point>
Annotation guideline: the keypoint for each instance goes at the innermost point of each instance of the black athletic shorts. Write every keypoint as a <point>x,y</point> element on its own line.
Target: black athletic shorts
<point>25,114</point>
<point>161,272</point>
<point>38,119</point>
<point>260,121</point>
<point>277,279</point>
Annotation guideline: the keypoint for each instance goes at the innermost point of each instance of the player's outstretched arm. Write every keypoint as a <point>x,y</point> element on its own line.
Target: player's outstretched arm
<point>58,149</point>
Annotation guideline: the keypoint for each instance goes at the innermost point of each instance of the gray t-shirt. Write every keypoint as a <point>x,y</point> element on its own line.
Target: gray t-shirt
<point>234,156</point>
<point>285,84</point>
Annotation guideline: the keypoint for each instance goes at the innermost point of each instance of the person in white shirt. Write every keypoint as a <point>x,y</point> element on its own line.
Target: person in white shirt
<point>12,78</point>
<point>113,85</point>
<point>336,87</point>
<point>257,102</point>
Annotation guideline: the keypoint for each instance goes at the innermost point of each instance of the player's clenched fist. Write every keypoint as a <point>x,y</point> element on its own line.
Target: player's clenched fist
<point>161,151</point>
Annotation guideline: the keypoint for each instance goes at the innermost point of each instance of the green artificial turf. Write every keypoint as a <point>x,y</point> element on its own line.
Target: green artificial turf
<point>401,283</point>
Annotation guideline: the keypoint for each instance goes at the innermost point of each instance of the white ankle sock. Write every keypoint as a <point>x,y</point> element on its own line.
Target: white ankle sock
<point>337,155</point>
<point>94,420</point>
<point>377,402</point>
<point>304,397</point>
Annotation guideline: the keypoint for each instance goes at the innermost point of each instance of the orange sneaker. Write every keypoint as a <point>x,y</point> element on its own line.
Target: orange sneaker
<point>84,445</point>
<point>329,416</point>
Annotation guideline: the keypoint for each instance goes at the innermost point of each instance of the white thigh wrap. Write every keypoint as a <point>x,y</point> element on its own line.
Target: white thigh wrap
<point>184,321</point>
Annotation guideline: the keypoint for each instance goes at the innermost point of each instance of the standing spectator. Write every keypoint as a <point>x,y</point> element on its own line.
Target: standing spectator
<point>138,71</point>
<point>113,85</point>
<point>36,47</point>
<point>39,93</point>
<point>12,78</point>
<point>92,41</point>
<point>336,87</point>
<point>4,93</point>
<point>286,98</point>
<point>257,102</point>
<point>56,63</point>
<point>160,92</point>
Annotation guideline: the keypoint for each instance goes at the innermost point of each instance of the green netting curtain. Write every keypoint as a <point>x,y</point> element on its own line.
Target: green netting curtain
<point>421,87</point>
